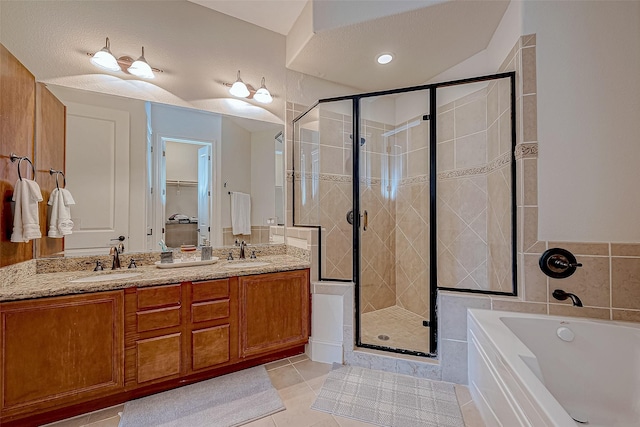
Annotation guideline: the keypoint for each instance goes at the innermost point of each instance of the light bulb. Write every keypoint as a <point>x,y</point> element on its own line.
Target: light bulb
<point>104,59</point>
<point>385,58</point>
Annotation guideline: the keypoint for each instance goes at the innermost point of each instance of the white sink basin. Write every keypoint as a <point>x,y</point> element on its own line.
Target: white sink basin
<point>106,277</point>
<point>247,264</point>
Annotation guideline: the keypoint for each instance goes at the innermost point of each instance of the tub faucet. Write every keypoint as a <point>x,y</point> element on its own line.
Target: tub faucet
<point>561,295</point>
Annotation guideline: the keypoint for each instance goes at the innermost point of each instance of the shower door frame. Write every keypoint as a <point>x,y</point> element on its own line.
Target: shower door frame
<point>433,259</point>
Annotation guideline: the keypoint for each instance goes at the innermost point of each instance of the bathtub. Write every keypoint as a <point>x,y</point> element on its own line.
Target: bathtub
<point>536,370</point>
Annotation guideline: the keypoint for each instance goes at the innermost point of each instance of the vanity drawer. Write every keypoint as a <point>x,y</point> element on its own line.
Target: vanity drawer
<point>210,290</point>
<point>158,296</point>
<point>158,319</point>
<point>205,311</point>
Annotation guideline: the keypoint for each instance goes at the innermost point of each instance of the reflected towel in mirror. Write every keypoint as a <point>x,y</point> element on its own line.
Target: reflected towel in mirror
<point>240,213</point>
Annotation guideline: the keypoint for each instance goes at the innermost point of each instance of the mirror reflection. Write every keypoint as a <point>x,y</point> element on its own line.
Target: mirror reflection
<point>153,172</point>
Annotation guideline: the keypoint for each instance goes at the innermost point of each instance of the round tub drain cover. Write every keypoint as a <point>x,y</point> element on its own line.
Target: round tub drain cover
<point>383,337</point>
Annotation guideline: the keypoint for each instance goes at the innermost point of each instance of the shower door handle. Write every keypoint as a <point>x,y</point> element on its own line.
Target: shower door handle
<point>365,221</point>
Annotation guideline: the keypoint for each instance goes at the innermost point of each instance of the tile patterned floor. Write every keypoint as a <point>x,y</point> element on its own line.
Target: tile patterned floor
<point>404,329</point>
<point>298,381</point>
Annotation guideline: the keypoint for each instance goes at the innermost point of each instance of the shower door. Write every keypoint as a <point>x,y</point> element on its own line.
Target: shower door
<point>393,179</point>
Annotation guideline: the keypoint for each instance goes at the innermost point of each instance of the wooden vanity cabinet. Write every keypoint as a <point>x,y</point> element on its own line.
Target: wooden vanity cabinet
<point>60,351</point>
<point>213,323</point>
<point>274,311</point>
<point>67,355</point>
<point>154,334</point>
<point>176,330</point>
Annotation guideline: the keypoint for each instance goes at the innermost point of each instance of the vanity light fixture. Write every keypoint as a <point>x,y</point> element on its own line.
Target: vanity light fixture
<point>105,60</point>
<point>263,95</point>
<point>242,90</point>
<point>141,68</point>
<point>239,88</point>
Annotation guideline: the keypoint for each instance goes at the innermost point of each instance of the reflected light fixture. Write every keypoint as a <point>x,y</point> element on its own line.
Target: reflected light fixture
<point>140,68</point>
<point>384,58</point>
<point>105,60</point>
<point>242,90</point>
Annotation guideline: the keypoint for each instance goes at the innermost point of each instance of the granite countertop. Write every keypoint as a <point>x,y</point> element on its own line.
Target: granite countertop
<point>56,284</point>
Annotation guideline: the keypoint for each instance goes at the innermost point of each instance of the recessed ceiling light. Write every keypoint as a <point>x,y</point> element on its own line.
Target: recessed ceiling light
<point>385,58</point>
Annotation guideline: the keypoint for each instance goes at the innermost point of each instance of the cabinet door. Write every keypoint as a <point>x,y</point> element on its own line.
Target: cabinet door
<point>274,311</point>
<point>158,357</point>
<point>210,347</point>
<point>58,351</point>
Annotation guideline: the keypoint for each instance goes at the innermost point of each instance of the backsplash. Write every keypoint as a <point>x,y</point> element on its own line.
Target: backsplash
<point>55,265</point>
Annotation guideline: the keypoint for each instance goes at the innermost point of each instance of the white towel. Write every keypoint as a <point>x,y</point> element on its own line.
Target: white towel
<point>240,213</point>
<point>26,222</point>
<point>60,223</point>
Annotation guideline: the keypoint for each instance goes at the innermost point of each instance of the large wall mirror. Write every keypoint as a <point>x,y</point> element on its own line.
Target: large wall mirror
<point>149,171</point>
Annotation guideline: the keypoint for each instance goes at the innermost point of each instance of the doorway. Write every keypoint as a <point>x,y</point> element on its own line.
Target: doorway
<point>183,208</point>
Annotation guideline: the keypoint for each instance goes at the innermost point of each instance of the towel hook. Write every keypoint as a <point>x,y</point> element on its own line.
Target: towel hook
<point>58,173</point>
<point>15,157</point>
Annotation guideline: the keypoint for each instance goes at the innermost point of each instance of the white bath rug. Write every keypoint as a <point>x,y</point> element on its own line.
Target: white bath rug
<point>387,399</point>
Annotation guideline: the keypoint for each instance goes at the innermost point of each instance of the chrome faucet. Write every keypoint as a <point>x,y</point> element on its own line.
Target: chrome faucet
<point>115,252</point>
<point>243,245</point>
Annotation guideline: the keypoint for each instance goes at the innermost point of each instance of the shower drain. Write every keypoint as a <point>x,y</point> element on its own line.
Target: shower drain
<point>383,337</point>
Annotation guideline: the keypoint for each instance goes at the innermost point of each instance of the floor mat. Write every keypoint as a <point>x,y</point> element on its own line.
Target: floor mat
<point>229,400</point>
<point>388,399</point>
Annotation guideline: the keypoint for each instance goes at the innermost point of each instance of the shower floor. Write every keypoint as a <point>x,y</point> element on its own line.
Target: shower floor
<point>403,328</point>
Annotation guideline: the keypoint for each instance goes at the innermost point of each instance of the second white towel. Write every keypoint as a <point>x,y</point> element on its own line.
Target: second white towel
<point>240,213</point>
<point>60,223</point>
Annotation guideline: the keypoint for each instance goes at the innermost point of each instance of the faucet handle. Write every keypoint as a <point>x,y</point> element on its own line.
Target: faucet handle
<point>98,267</point>
<point>230,257</point>
<point>253,253</point>
<point>132,263</point>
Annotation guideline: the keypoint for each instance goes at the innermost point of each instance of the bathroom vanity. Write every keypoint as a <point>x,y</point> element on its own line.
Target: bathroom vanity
<point>64,354</point>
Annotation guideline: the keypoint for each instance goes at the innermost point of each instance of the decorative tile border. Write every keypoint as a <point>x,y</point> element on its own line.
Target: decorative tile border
<point>323,177</point>
<point>421,179</point>
<point>528,150</point>
<point>499,162</point>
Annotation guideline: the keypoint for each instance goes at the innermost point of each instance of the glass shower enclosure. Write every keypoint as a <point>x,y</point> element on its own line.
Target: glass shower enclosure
<point>431,183</point>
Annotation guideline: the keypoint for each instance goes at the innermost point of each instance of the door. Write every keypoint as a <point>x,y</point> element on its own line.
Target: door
<point>394,201</point>
<point>97,172</point>
<point>204,193</point>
